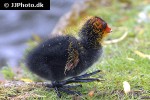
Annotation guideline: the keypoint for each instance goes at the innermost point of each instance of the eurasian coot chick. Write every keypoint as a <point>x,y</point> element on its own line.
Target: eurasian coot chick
<point>65,56</point>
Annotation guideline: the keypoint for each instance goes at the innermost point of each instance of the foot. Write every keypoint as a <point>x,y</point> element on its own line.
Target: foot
<point>64,87</point>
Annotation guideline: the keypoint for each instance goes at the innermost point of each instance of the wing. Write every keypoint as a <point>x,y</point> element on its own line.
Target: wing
<point>73,57</point>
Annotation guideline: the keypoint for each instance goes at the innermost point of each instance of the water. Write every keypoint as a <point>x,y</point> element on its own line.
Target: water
<point>17,27</point>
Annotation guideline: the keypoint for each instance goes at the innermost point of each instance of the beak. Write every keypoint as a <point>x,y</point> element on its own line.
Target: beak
<point>108,29</point>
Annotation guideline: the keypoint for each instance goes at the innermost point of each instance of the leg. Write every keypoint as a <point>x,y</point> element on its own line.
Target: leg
<point>72,86</point>
<point>82,78</point>
<point>62,86</point>
<point>69,91</point>
<point>57,92</point>
<point>86,75</point>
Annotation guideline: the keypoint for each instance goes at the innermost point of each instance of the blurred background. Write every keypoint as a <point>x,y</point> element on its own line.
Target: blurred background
<point>17,27</point>
<point>127,48</point>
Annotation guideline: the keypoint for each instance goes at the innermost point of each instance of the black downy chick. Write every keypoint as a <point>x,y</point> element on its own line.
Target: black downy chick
<point>65,56</point>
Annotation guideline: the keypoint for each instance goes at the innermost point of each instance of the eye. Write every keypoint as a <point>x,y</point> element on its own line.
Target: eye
<point>104,25</point>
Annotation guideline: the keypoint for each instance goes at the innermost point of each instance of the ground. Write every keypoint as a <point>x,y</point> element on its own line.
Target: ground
<point>126,60</point>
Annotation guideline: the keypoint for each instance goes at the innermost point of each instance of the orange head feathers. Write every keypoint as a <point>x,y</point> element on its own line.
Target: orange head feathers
<point>95,27</point>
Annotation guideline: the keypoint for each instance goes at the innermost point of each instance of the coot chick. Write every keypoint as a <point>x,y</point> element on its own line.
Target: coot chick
<point>62,57</point>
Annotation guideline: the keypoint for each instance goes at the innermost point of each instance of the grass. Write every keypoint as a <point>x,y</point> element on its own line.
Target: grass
<point>120,62</point>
